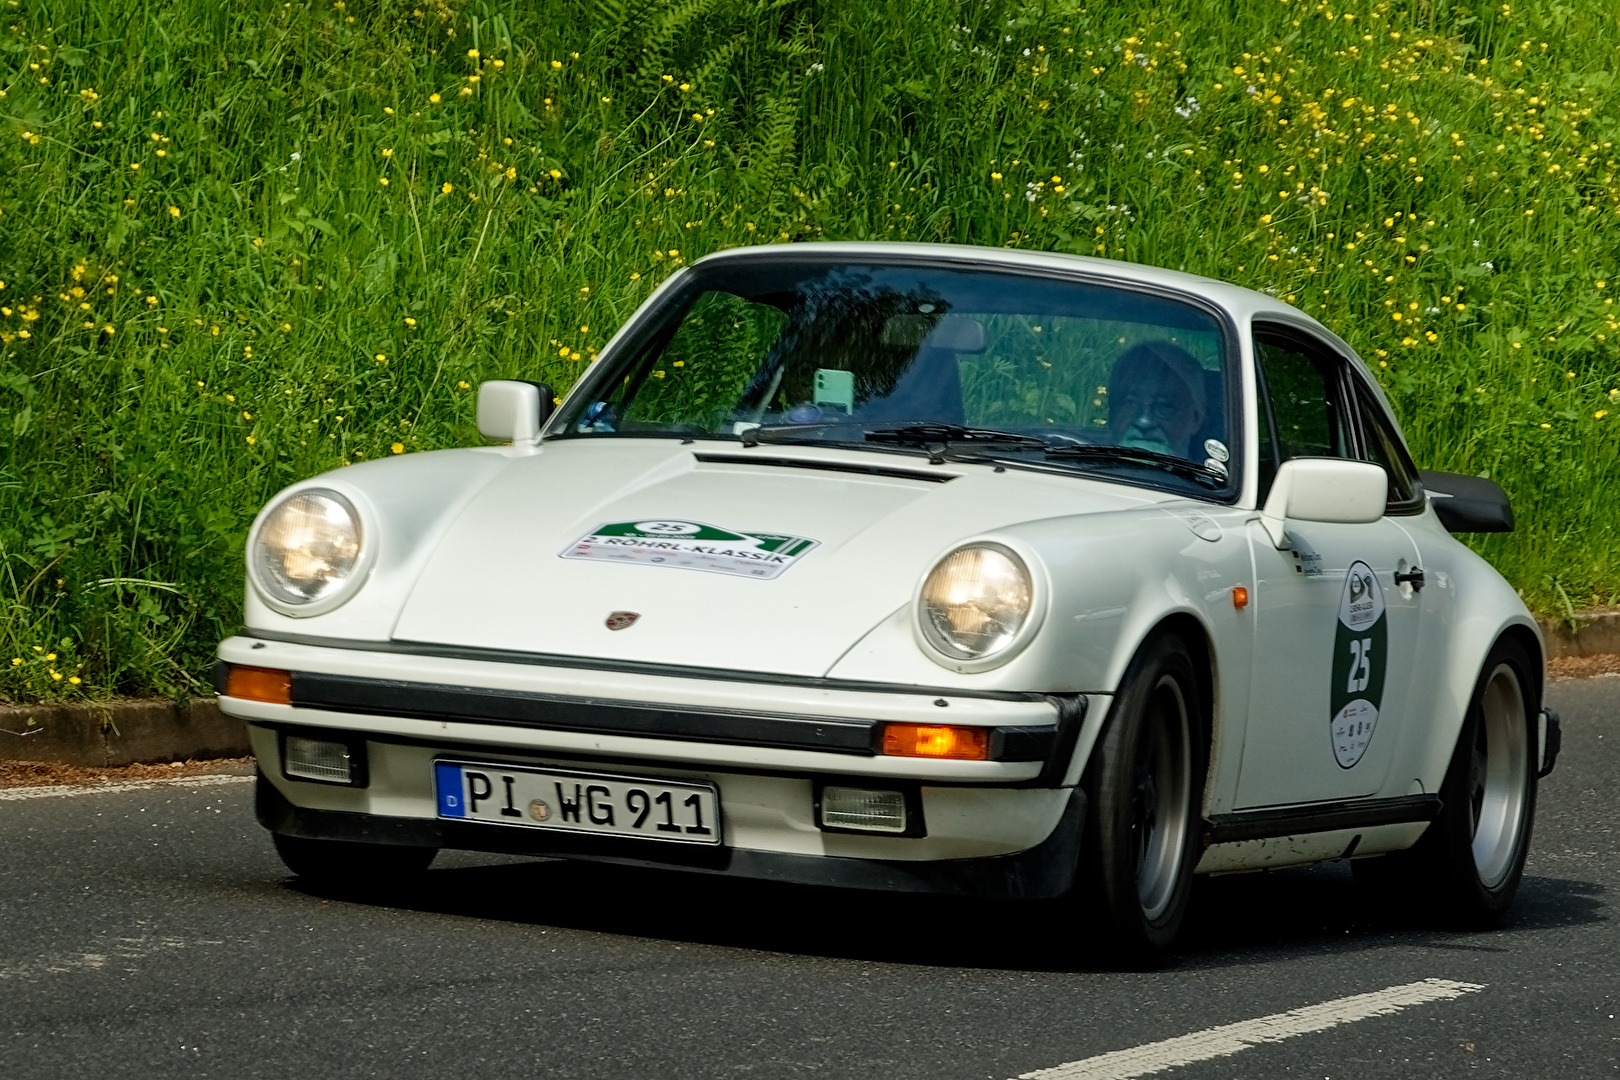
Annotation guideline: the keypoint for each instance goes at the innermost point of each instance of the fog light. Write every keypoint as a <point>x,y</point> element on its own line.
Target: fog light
<point>863,809</point>
<point>317,759</point>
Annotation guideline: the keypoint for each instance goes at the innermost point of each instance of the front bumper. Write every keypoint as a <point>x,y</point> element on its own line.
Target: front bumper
<point>1041,872</point>
<point>1006,827</point>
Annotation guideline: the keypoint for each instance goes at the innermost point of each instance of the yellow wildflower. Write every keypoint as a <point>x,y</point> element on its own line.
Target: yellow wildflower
<point>398,448</point>
<point>448,187</point>
<point>433,99</point>
<point>174,211</point>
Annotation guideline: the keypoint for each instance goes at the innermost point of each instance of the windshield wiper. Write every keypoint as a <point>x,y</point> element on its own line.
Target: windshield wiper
<point>1138,456</point>
<point>790,433</point>
<point>925,433</point>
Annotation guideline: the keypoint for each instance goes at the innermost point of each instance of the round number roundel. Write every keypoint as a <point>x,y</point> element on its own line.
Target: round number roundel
<point>1359,643</point>
<point>669,528</point>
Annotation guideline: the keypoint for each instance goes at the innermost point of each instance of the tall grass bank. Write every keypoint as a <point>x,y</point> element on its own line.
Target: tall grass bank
<point>242,243</point>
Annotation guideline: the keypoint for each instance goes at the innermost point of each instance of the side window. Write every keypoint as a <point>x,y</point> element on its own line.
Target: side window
<point>1307,409</point>
<point>1383,447</point>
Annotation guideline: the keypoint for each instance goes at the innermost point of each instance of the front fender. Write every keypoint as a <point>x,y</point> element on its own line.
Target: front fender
<point>405,504</point>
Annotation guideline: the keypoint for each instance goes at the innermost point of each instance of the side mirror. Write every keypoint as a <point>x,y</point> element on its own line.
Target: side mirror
<point>513,411</point>
<point>1324,489</point>
<point>1467,503</point>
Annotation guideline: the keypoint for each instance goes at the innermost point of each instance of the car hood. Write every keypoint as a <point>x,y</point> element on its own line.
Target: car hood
<point>797,552</point>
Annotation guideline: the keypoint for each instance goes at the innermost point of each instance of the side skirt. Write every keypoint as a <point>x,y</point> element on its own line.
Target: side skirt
<point>1321,818</point>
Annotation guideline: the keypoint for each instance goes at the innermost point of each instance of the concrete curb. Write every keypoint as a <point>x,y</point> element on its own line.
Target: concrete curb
<point>148,732</point>
<point>1594,633</point>
<point>120,733</point>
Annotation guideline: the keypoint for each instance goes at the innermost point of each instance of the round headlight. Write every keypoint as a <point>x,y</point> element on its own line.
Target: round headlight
<point>307,548</point>
<point>975,601</point>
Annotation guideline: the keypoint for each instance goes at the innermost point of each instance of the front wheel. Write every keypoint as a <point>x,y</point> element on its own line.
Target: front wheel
<point>1468,865</point>
<point>1145,781</point>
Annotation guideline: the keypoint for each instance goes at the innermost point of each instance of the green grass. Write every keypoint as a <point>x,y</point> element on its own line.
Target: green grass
<point>209,290</point>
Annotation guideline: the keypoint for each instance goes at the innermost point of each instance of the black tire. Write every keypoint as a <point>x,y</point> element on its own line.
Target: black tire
<point>1145,782</point>
<point>348,866</point>
<point>1466,869</point>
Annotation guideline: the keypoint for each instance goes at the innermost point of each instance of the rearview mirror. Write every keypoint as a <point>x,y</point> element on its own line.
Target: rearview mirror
<point>1324,489</point>
<point>513,411</point>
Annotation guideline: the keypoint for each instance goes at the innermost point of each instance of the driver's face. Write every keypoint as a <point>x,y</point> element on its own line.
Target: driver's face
<point>1154,411</point>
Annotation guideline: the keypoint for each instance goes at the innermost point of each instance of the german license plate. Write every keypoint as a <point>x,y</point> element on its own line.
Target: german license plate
<point>585,802</point>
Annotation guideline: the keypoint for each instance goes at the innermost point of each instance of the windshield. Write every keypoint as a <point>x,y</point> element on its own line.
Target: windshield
<point>994,363</point>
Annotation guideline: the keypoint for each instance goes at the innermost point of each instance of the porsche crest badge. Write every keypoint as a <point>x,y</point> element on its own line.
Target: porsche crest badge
<point>618,620</point>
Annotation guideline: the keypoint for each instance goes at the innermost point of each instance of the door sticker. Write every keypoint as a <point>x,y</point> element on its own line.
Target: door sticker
<point>689,545</point>
<point>1359,647</point>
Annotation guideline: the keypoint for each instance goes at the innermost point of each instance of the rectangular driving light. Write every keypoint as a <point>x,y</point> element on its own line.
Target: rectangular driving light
<point>258,684</point>
<point>946,741</point>
<point>863,810</point>
<point>322,760</point>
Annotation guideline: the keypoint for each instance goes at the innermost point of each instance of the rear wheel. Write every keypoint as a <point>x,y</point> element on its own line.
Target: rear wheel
<point>1467,867</point>
<point>347,865</point>
<point>1145,782</point>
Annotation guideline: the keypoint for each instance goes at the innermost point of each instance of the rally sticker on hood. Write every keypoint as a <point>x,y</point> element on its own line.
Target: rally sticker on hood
<point>690,545</point>
<point>1359,644</point>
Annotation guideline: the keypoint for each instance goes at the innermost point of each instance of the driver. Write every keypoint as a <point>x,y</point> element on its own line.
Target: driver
<point>1156,399</point>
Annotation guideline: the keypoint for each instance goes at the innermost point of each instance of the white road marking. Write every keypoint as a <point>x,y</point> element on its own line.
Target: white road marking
<point>11,794</point>
<point>114,954</point>
<point>1230,1038</point>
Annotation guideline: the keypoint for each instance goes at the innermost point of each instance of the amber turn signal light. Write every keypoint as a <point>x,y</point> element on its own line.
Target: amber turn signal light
<point>259,684</point>
<point>937,741</point>
<point>1240,597</point>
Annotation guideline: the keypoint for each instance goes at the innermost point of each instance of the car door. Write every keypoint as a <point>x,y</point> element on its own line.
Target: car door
<point>1335,635</point>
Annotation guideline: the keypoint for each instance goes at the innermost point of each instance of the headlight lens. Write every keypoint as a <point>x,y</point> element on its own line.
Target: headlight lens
<point>975,601</point>
<point>307,547</point>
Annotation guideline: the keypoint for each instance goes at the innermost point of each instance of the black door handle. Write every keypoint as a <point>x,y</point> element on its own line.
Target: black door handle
<point>1412,577</point>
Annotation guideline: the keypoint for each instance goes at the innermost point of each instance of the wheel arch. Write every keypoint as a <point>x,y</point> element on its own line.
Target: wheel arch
<point>1186,626</point>
<point>1471,646</point>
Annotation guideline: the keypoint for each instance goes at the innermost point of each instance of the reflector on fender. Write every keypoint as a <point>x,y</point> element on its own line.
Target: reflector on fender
<point>937,741</point>
<point>259,684</point>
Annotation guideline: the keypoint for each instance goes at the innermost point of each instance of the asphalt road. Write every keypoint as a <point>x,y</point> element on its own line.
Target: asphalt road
<point>153,932</point>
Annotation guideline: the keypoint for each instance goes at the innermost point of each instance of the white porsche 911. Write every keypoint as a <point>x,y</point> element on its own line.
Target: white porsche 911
<point>910,567</point>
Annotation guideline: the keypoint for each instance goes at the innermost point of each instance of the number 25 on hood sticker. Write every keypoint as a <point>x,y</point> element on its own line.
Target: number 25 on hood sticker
<point>1359,645</point>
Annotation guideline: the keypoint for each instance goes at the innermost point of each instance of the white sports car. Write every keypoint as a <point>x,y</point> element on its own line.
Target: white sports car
<point>910,567</point>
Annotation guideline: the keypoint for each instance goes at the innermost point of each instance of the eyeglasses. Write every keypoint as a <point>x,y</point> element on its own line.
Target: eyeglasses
<point>1161,406</point>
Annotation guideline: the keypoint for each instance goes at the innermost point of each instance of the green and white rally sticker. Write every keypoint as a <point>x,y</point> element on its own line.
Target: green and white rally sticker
<point>1359,644</point>
<point>691,545</point>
